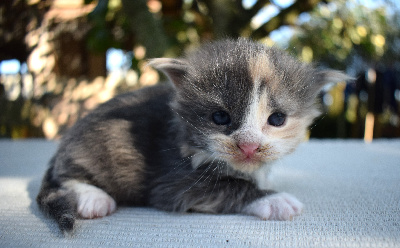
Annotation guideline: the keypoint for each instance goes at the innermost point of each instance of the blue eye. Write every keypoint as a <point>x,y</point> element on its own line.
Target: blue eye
<point>276,119</point>
<point>221,118</point>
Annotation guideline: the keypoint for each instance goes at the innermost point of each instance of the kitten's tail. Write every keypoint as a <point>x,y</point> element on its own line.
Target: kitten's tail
<point>58,202</point>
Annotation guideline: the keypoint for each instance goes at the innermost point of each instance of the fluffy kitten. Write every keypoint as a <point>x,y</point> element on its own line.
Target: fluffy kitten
<point>201,143</point>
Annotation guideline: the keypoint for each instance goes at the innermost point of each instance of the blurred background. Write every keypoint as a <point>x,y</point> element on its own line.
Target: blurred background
<point>61,58</point>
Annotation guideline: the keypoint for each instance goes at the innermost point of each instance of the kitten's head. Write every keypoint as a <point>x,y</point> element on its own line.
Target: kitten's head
<point>242,102</point>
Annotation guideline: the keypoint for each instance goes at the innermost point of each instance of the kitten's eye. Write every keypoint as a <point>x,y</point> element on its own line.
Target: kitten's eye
<point>221,118</point>
<point>276,119</point>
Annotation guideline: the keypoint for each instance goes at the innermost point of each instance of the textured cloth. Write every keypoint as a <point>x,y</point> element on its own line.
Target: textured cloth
<point>351,193</point>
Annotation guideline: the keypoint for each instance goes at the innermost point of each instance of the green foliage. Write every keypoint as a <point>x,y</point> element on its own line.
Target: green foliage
<point>349,36</point>
<point>338,32</point>
<point>179,24</point>
<point>109,26</point>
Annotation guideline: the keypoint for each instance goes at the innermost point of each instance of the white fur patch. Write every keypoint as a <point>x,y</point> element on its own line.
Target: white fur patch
<point>93,202</point>
<point>251,130</point>
<point>262,176</point>
<point>281,206</point>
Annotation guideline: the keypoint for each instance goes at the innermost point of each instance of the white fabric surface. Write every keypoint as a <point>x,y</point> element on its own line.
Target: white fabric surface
<point>351,193</point>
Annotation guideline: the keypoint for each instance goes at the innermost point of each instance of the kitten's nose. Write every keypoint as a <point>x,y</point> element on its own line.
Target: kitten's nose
<point>248,149</point>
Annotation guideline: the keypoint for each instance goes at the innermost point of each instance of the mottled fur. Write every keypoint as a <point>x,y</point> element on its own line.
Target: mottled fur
<point>160,146</point>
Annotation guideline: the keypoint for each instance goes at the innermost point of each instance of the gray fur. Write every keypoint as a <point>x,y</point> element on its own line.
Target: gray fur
<point>140,147</point>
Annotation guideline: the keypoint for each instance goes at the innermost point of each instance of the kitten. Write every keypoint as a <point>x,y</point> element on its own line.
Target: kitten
<point>200,143</point>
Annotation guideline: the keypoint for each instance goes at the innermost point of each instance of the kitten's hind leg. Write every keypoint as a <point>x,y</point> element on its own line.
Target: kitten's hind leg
<point>65,201</point>
<point>92,202</point>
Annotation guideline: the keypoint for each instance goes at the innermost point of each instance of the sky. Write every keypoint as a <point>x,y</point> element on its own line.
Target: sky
<point>11,66</point>
<point>116,58</point>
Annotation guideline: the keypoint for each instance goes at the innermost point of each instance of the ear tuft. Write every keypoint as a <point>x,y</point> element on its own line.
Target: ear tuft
<point>332,76</point>
<point>322,78</point>
<point>174,69</point>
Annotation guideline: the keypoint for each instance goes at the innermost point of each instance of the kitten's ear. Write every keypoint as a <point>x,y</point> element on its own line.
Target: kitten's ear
<point>331,76</point>
<point>174,69</point>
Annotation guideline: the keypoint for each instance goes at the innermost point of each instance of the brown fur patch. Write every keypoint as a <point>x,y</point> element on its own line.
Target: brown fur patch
<point>260,67</point>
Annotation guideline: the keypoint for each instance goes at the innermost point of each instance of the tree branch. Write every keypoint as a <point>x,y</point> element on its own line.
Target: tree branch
<point>287,16</point>
<point>257,6</point>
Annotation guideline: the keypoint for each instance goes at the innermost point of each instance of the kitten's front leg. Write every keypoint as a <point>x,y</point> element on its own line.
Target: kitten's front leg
<point>222,195</point>
<point>280,206</point>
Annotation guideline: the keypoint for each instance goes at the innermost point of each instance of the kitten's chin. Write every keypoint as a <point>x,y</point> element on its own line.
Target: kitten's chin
<point>246,165</point>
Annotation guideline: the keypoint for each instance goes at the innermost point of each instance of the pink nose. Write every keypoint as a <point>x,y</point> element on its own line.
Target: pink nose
<point>248,149</point>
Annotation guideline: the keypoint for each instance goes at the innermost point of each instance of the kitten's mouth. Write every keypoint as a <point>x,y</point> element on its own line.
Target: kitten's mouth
<point>248,160</point>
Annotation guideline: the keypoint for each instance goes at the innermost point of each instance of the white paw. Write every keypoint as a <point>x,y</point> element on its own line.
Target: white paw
<point>93,202</point>
<point>281,206</point>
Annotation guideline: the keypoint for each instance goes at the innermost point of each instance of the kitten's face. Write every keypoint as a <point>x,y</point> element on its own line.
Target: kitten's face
<point>243,103</point>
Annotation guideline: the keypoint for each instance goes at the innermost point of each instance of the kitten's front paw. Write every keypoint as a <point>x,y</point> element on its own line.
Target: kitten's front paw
<point>94,202</point>
<point>281,206</point>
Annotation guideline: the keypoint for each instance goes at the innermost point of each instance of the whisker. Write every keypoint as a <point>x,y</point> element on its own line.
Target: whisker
<point>203,173</point>
<point>183,161</point>
<point>319,120</point>
<point>198,180</point>
<point>174,148</point>
<point>212,172</point>
<point>218,175</point>
<point>189,158</point>
<point>188,122</point>
<point>170,149</point>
